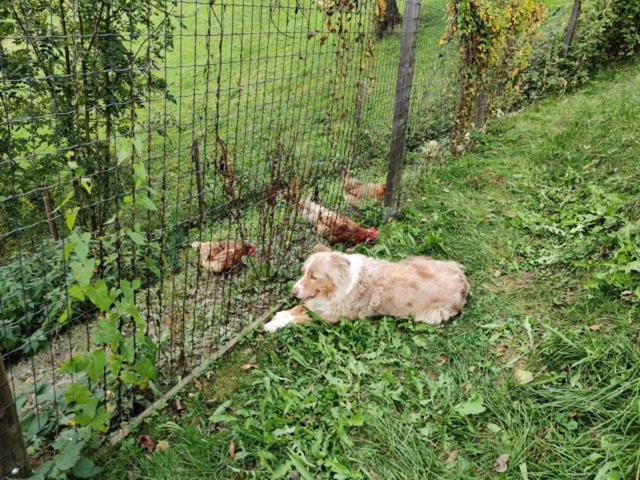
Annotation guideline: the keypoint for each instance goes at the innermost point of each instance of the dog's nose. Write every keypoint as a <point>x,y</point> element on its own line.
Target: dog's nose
<point>296,291</point>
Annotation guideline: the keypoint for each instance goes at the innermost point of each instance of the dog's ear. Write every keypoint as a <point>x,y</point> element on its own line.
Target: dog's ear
<point>321,248</point>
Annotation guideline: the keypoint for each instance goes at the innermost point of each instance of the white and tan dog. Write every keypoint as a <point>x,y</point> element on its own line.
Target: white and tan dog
<point>337,285</point>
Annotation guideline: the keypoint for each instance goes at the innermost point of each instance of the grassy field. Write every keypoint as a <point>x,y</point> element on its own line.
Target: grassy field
<point>542,366</point>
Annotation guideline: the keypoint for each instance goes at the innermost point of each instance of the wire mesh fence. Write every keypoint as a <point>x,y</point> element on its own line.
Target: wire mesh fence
<point>155,163</point>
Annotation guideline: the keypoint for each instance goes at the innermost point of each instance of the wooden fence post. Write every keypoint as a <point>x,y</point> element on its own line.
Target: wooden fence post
<point>571,27</point>
<point>402,97</point>
<point>195,156</point>
<point>481,108</point>
<point>13,455</point>
<point>51,219</point>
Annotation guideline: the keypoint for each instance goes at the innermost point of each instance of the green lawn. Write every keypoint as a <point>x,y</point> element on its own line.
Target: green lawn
<point>543,365</point>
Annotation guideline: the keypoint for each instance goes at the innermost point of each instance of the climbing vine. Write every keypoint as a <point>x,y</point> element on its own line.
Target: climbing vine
<point>495,40</point>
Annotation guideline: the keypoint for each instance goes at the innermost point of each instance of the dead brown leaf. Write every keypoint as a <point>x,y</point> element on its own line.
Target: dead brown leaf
<point>162,446</point>
<point>179,407</point>
<point>249,366</point>
<point>146,442</point>
<point>501,463</point>
<point>197,384</point>
<point>212,400</point>
<point>595,328</point>
<point>453,455</point>
<point>441,360</point>
<point>232,450</point>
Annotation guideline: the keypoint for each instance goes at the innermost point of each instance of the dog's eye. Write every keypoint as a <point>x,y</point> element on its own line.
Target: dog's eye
<point>313,276</point>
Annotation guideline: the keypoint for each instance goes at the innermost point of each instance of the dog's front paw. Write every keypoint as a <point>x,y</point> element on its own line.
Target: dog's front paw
<point>278,321</point>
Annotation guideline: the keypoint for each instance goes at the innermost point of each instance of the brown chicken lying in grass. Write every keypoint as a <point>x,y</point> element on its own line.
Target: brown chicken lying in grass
<point>334,226</point>
<point>355,191</point>
<point>222,256</point>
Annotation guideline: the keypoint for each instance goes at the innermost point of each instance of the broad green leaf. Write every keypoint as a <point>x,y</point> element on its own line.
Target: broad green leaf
<point>337,467</point>
<point>85,468</point>
<point>139,171</point>
<point>82,271</point>
<point>99,295</point>
<point>145,368</point>
<point>128,350</point>
<point>298,463</point>
<point>137,145</point>
<point>123,154</point>
<point>65,315</point>
<point>473,406</point>
<point>108,334</point>
<point>144,201</point>
<point>281,471</point>
<point>86,184</point>
<point>81,244</point>
<point>115,363</point>
<point>76,364</point>
<point>356,420</point>
<point>41,473</point>
<point>96,364</point>
<point>77,393</point>
<point>68,248</point>
<point>220,416</point>
<point>420,341</point>
<point>76,292</point>
<point>136,237</point>
<point>67,458</point>
<point>70,217</point>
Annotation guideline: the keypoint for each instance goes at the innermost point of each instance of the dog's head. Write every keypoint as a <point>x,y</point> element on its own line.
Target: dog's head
<point>324,273</point>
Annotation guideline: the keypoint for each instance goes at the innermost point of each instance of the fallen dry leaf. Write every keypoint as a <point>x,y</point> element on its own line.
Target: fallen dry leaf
<point>453,454</point>
<point>198,384</point>
<point>179,407</point>
<point>249,366</point>
<point>523,376</point>
<point>501,463</point>
<point>441,360</point>
<point>595,328</point>
<point>212,400</point>
<point>147,442</point>
<point>232,450</point>
<point>162,446</point>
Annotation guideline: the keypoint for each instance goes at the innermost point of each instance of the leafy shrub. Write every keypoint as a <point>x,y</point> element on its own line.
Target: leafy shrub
<point>608,30</point>
<point>34,298</point>
<point>611,30</point>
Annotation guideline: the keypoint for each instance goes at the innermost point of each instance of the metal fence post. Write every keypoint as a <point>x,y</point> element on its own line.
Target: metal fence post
<point>197,166</point>
<point>402,97</point>
<point>13,456</point>
<point>362,91</point>
<point>571,27</point>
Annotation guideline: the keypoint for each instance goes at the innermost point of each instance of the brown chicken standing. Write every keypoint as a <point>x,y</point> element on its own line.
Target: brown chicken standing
<point>334,226</point>
<point>223,255</point>
<point>355,191</point>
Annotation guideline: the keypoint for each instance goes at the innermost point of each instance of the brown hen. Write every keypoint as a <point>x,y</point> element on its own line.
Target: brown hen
<point>222,256</point>
<point>355,191</point>
<point>334,226</point>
